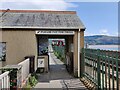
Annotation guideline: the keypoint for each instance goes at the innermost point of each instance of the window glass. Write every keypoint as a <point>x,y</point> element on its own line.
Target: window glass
<point>2,51</point>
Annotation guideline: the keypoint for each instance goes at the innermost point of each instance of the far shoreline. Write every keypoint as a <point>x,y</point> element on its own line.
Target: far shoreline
<point>105,47</point>
<point>110,46</point>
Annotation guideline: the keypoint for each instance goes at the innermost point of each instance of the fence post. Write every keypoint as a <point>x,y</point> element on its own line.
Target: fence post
<point>117,72</point>
<point>98,70</point>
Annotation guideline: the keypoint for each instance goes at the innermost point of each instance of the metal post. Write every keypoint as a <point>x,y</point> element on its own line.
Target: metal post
<point>79,53</point>
<point>82,63</point>
<point>98,70</point>
<point>117,74</point>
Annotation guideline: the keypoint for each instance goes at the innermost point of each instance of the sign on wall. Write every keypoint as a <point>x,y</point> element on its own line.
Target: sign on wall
<point>49,32</point>
<point>41,63</point>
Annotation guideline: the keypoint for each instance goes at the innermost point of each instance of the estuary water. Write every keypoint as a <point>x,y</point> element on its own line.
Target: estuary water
<point>105,47</point>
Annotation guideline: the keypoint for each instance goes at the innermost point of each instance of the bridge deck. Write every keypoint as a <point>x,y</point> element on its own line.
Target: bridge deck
<point>58,77</point>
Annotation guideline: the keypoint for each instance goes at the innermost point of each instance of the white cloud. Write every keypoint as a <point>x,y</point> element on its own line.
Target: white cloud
<point>104,32</point>
<point>37,4</point>
<point>93,0</point>
<point>90,34</point>
<point>66,0</point>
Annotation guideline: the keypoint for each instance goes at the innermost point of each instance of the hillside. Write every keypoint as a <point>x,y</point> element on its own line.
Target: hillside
<point>102,40</point>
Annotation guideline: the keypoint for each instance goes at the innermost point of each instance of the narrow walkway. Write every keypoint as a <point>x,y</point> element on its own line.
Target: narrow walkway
<point>58,77</point>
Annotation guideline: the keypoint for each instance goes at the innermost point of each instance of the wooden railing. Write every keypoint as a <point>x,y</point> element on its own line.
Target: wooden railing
<point>24,74</point>
<point>101,68</point>
<point>24,70</point>
<point>4,81</point>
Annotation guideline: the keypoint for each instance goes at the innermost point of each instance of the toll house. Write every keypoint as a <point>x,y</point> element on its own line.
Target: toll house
<point>23,32</point>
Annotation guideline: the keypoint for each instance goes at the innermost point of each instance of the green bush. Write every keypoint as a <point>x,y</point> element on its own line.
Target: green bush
<point>62,59</point>
<point>59,56</point>
<point>33,81</point>
<point>34,74</point>
<point>56,54</point>
<point>28,86</point>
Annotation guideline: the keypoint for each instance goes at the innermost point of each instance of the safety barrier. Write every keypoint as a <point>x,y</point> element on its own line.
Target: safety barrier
<point>4,81</point>
<point>24,70</point>
<point>101,68</point>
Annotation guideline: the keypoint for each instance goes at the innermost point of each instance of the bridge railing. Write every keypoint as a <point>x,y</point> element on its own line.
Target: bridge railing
<point>100,68</point>
<point>25,70</point>
<point>4,81</point>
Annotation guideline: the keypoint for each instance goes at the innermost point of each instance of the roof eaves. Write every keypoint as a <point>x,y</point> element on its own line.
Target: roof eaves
<point>39,11</point>
<point>5,27</point>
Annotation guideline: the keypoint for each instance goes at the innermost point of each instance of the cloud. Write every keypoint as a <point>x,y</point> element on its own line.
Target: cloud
<point>67,0</point>
<point>37,4</point>
<point>100,32</point>
<point>90,34</point>
<point>93,0</point>
<point>104,32</point>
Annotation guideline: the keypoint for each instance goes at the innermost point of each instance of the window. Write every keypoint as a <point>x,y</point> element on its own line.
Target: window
<point>2,51</point>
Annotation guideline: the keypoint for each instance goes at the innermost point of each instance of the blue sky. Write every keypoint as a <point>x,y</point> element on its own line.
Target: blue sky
<point>99,18</point>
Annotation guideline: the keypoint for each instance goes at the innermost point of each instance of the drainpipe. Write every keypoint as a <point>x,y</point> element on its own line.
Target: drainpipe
<point>79,53</point>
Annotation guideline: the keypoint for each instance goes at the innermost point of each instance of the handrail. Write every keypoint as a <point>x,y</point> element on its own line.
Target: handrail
<point>4,80</point>
<point>100,67</point>
<point>24,70</point>
<point>4,74</point>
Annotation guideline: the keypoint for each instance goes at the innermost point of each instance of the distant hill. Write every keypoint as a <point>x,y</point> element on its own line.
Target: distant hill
<point>102,40</point>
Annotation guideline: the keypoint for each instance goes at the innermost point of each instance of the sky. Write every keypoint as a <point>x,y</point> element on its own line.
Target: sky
<point>99,18</point>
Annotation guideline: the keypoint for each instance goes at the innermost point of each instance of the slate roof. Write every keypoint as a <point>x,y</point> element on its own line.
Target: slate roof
<point>40,19</point>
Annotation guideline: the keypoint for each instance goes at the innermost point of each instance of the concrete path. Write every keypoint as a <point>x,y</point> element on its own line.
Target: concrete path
<point>58,77</point>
